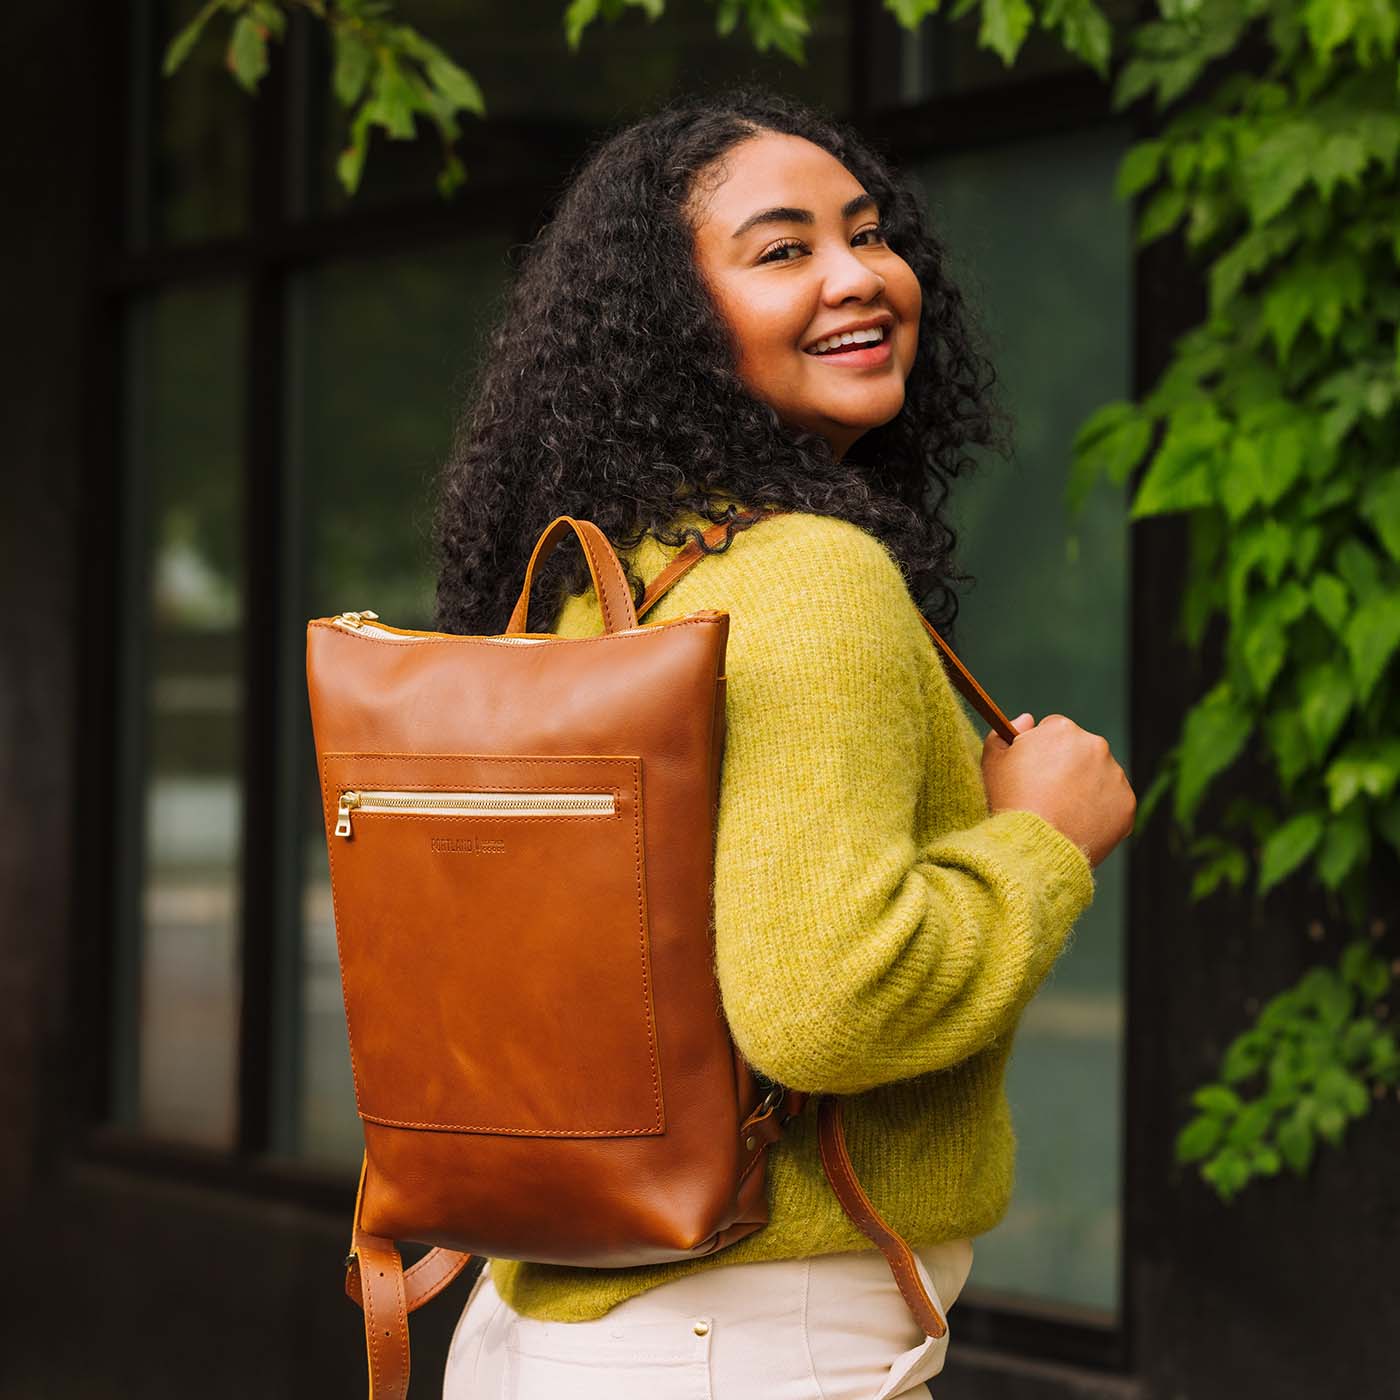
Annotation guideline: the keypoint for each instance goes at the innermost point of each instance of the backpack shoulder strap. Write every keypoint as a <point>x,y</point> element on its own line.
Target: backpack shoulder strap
<point>691,554</point>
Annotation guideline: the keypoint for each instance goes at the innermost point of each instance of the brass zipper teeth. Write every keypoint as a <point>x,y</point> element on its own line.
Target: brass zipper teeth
<point>363,622</point>
<point>474,804</point>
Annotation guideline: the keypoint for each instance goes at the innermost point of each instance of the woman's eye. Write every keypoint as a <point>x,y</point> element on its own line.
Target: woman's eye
<point>778,248</point>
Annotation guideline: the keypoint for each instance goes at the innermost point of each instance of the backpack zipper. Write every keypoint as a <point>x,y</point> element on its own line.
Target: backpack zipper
<point>363,622</point>
<point>474,804</point>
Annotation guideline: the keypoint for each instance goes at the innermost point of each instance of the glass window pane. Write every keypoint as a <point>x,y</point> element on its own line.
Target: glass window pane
<point>179,803</point>
<point>379,351</point>
<point>1054,288</point>
<point>191,133</point>
<point>533,84</point>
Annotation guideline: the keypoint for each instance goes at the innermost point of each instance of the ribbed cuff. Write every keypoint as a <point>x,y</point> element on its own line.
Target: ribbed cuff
<point>1069,878</point>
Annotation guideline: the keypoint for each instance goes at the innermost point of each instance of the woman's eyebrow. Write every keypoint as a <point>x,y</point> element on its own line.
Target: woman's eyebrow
<point>802,216</point>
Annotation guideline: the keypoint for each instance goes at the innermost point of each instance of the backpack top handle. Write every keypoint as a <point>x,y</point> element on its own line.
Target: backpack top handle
<point>609,581</point>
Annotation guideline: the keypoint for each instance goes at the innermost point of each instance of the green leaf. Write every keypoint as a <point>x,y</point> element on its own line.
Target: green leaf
<point>1295,1140</point>
<point>351,163</point>
<point>1198,1138</point>
<point>393,101</point>
<point>1181,476</point>
<point>269,13</point>
<point>1371,637</point>
<point>1330,600</point>
<point>353,61</point>
<point>1277,168</point>
<point>1267,544</point>
<point>1288,847</point>
<point>1084,31</point>
<point>1251,1124</point>
<point>1227,1173</point>
<point>247,52</point>
<point>1346,843</point>
<point>1284,730</point>
<point>1139,167</point>
<point>1244,1057</point>
<point>1361,569</point>
<point>1005,24</point>
<point>1216,1099</point>
<point>1326,701</point>
<point>456,85</point>
<point>1331,1123</point>
<point>1262,633</point>
<point>1215,731</point>
<point>1228,863</point>
<point>179,47</point>
<point>1369,766</point>
<point>1380,505</point>
<point>1162,214</point>
<point>581,13</point>
<point>1109,443</point>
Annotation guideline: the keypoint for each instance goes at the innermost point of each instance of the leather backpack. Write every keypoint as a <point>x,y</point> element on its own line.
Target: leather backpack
<point>520,831</point>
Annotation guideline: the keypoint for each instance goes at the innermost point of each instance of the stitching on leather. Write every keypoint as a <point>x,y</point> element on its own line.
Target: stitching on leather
<point>648,1006</point>
<point>634,764</point>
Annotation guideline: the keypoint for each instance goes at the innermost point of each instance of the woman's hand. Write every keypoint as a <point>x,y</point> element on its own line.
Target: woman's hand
<point>1065,774</point>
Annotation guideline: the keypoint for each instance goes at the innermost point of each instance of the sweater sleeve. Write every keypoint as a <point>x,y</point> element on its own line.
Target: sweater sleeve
<point>848,954</point>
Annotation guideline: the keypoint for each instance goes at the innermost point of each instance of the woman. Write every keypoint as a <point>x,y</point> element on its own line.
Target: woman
<point>737,304</point>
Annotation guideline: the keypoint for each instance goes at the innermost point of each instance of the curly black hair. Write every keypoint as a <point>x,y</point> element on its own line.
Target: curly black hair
<point>609,389</point>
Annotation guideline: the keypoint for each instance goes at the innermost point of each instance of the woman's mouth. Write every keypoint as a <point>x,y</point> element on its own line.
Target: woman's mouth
<point>857,356</point>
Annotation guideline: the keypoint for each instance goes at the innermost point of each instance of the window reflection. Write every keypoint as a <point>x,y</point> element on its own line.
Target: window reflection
<point>1044,252</point>
<point>177,984</point>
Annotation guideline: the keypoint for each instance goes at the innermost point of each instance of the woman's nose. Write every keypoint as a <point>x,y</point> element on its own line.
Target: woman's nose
<point>847,277</point>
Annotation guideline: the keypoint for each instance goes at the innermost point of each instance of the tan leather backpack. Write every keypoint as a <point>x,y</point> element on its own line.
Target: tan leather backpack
<point>521,838</point>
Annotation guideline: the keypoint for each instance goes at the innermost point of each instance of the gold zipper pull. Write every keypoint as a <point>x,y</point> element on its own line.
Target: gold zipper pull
<point>355,619</point>
<point>348,802</point>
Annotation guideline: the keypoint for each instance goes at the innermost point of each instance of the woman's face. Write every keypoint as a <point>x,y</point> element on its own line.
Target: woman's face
<point>792,256</point>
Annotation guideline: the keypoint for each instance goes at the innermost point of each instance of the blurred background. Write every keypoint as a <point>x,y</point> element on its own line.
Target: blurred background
<point>228,387</point>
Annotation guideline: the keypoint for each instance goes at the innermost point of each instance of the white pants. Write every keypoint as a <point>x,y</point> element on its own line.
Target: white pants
<point>829,1327</point>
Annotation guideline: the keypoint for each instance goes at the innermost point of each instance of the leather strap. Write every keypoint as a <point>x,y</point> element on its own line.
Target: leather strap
<point>836,1163</point>
<point>375,1279</point>
<point>691,554</point>
<point>609,581</point>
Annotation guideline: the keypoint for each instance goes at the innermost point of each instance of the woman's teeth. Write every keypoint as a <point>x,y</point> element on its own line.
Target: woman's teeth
<point>841,342</point>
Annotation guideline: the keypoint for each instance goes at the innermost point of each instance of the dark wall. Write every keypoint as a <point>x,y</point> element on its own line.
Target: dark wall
<point>125,1281</point>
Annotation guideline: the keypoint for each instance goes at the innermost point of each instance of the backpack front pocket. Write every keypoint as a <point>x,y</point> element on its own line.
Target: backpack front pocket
<point>492,928</point>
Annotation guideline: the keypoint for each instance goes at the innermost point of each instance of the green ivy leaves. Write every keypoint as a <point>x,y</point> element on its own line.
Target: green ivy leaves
<point>1275,433</point>
<point>386,75</point>
<point>1314,1061</point>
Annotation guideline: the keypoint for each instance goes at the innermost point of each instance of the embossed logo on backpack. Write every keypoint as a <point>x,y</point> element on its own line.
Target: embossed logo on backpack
<point>465,846</point>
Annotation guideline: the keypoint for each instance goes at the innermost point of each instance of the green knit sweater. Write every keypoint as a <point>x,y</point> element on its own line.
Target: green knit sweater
<point>877,933</point>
